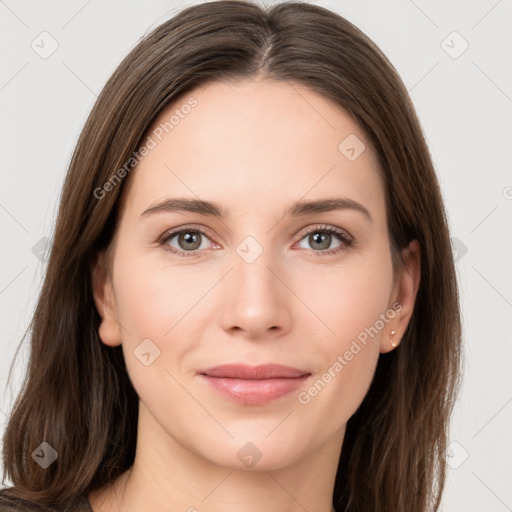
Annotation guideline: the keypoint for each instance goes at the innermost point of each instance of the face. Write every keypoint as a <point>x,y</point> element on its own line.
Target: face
<point>258,279</point>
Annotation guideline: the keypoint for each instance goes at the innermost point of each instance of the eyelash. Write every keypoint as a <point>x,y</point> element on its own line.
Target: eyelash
<point>340,234</point>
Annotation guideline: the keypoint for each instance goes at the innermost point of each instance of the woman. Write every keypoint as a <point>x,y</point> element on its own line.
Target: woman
<point>254,369</point>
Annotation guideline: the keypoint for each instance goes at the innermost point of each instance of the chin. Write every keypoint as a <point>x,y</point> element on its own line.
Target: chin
<point>254,450</point>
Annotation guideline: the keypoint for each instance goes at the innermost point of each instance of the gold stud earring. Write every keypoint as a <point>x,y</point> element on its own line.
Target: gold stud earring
<point>393,342</point>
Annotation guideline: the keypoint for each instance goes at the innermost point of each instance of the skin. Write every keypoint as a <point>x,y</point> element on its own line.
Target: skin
<point>254,147</point>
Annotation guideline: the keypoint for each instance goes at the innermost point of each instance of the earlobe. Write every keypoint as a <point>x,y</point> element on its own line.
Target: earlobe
<point>109,331</point>
<point>403,297</point>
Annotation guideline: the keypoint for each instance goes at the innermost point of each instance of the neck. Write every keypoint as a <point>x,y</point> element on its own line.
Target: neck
<point>168,476</point>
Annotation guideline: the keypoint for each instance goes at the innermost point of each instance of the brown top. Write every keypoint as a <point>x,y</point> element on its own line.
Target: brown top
<point>8,504</point>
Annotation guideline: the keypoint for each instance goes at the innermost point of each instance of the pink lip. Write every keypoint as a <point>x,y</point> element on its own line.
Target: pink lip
<point>254,385</point>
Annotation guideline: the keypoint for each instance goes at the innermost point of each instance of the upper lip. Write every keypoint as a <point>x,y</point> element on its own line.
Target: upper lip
<point>243,371</point>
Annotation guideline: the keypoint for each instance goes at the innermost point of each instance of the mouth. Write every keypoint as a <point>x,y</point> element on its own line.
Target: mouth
<point>253,385</point>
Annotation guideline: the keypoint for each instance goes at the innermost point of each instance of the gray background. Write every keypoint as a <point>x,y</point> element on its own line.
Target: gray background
<point>464,103</point>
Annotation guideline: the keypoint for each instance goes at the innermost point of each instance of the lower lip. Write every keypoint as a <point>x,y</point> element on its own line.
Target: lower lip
<point>254,392</point>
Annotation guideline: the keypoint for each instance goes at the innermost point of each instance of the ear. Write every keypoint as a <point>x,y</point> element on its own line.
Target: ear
<point>403,297</point>
<point>103,292</point>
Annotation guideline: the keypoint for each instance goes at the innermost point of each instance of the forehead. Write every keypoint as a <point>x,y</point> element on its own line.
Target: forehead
<point>251,145</point>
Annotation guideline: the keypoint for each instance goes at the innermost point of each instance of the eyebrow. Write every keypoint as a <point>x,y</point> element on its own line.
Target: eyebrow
<point>296,209</point>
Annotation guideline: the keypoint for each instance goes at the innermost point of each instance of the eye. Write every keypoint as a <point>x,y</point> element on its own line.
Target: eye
<point>320,238</point>
<point>188,240</point>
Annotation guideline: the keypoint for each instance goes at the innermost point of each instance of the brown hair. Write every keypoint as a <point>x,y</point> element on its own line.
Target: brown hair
<point>78,396</point>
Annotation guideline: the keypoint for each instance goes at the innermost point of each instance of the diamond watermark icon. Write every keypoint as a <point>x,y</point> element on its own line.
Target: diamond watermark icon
<point>146,352</point>
<point>351,147</point>
<point>45,455</point>
<point>44,45</point>
<point>249,455</point>
<point>456,455</point>
<point>459,249</point>
<point>41,249</point>
<point>249,249</point>
<point>454,45</point>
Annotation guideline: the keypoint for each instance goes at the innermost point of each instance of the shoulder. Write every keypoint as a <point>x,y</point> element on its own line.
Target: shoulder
<point>10,504</point>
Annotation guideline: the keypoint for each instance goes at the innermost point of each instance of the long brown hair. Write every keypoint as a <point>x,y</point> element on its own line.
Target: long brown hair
<point>78,397</point>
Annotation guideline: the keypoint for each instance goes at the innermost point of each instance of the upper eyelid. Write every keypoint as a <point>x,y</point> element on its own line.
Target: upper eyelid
<point>327,227</point>
<point>191,227</point>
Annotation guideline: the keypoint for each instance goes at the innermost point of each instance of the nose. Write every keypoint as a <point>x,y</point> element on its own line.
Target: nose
<point>257,300</point>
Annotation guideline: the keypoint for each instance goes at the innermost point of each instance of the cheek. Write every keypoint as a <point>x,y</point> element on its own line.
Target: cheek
<point>152,300</point>
<point>155,307</point>
<point>353,306</point>
<point>349,299</point>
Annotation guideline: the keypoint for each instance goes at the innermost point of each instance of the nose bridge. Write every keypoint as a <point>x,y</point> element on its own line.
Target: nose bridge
<point>255,275</point>
<point>256,301</point>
